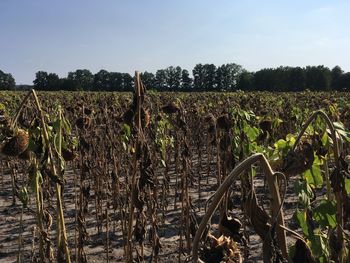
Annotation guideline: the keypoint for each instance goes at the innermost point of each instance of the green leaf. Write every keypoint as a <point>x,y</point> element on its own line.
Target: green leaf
<point>333,109</point>
<point>246,115</point>
<point>304,192</point>
<point>290,139</point>
<point>319,245</point>
<point>251,132</point>
<point>280,144</point>
<point>347,185</point>
<point>56,125</point>
<point>324,214</point>
<point>66,125</point>
<point>75,142</point>
<point>339,125</point>
<point>23,196</point>
<point>325,139</point>
<point>253,171</point>
<point>62,163</point>
<point>300,217</point>
<point>314,177</point>
<point>126,130</point>
<point>343,134</point>
<point>276,122</point>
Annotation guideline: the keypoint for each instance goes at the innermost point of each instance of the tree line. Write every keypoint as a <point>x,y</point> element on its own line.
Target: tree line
<point>204,77</point>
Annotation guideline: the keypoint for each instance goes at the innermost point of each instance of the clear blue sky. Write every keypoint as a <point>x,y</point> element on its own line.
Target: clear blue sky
<point>65,35</point>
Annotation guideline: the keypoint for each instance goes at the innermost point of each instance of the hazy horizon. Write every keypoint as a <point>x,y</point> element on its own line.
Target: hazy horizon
<point>63,36</point>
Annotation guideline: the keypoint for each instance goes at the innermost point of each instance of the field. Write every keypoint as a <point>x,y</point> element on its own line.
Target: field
<point>128,177</point>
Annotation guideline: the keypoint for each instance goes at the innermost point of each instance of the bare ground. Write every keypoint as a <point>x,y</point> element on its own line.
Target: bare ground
<point>96,248</point>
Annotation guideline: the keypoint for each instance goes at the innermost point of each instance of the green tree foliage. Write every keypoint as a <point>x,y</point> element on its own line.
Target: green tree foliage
<point>6,81</point>
<point>102,80</point>
<point>47,81</point>
<point>297,79</point>
<point>198,77</point>
<point>41,81</point>
<point>205,77</point>
<point>265,79</point>
<point>173,79</point>
<point>112,81</point>
<point>209,77</point>
<point>227,76</point>
<point>128,82</point>
<point>343,82</point>
<point>149,80</point>
<point>245,81</point>
<point>83,77</point>
<point>53,81</point>
<point>186,80</point>
<point>318,78</point>
<point>116,81</point>
<point>69,84</point>
<point>337,73</point>
<point>161,79</point>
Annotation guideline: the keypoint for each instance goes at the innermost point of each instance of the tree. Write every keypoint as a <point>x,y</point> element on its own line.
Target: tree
<point>186,81</point>
<point>161,79</point>
<point>220,75</point>
<point>6,81</point>
<point>343,82</point>
<point>297,79</point>
<point>336,72</point>
<point>198,77</point>
<point>227,76</point>
<point>53,82</point>
<point>47,81</point>
<point>265,79</point>
<point>318,78</point>
<point>84,77</point>
<point>173,77</point>
<point>102,80</point>
<point>69,84</point>
<point>149,80</point>
<point>281,78</point>
<point>245,81</point>
<point>41,80</point>
<point>128,82</point>
<point>116,81</point>
<point>209,77</point>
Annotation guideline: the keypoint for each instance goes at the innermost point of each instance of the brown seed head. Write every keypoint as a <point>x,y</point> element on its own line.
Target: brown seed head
<point>170,108</point>
<point>16,144</point>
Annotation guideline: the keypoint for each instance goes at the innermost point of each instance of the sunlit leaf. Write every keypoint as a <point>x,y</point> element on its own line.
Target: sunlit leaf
<point>251,132</point>
<point>162,162</point>
<point>347,185</point>
<point>314,177</point>
<point>281,144</point>
<point>325,139</point>
<point>339,125</point>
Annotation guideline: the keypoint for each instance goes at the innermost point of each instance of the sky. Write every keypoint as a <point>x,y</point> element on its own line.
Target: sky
<point>146,35</point>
